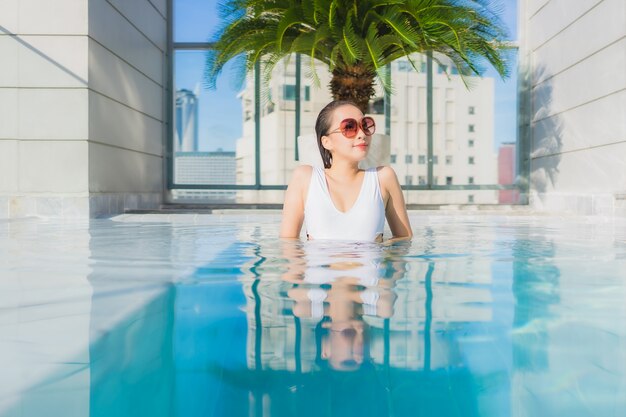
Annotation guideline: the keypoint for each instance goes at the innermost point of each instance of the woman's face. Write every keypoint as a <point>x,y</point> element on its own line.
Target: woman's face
<point>352,149</point>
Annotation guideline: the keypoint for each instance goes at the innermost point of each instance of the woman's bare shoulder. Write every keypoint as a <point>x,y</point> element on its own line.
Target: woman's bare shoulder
<point>301,175</point>
<point>386,174</point>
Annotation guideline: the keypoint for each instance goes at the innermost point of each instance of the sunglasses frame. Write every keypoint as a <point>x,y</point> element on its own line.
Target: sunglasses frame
<point>359,124</point>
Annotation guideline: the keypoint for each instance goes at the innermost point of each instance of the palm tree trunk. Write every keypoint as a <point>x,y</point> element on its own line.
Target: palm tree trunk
<point>354,83</point>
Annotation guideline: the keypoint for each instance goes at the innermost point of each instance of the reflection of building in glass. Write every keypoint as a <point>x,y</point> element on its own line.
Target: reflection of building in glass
<point>186,116</point>
<point>506,173</point>
<point>205,168</point>
<point>463,135</point>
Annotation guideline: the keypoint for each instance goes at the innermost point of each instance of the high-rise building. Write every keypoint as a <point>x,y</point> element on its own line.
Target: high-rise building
<point>463,137</point>
<point>186,119</point>
<point>205,168</point>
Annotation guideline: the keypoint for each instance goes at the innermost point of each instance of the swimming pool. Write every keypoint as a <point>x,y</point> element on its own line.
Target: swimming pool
<point>212,315</point>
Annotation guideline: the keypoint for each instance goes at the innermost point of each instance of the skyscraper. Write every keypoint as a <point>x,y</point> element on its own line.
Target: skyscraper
<point>186,132</point>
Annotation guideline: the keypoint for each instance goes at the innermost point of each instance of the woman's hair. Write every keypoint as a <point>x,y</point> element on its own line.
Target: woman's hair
<point>322,124</point>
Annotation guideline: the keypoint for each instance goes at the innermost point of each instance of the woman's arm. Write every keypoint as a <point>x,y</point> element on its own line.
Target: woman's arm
<point>395,208</point>
<point>293,207</point>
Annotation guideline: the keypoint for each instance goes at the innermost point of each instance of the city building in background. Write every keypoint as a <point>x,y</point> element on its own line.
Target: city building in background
<point>463,138</point>
<point>186,121</point>
<point>205,168</point>
<point>463,132</point>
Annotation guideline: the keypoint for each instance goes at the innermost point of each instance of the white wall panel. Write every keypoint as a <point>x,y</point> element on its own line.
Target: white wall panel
<point>9,69</point>
<point>9,12</point>
<point>52,61</point>
<point>554,17</point>
<point>146,18</point>
<point>125,41</point>
<point>596,170</point>
<point>58,17</point>
<point>160,5</point>
<point>597,76</point>
<point>52,114</point>
<point>113,123</point>
<point>118,170</point>
<point>597,123</point>
<point>53,166</point>
<point>113,77</point>
<point>535,5</point>
<point>608,15</point>
<point>8,166</point>
<point>8,113</point>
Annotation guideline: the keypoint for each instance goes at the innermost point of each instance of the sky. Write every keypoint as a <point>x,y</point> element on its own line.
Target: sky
<point>220,110</point>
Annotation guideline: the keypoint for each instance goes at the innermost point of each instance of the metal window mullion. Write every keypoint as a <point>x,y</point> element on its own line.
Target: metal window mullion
<point>169,134</point>
<point>257,124</point>
<point>387,102</point>
<point>429,117</point>
<point>298,104</point>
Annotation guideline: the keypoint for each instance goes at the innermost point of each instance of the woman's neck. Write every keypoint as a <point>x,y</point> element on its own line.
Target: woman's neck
<point>344,169</point>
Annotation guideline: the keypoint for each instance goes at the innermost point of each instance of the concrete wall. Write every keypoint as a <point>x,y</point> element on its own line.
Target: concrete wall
<point>575,55</point>
<point>82,106</point>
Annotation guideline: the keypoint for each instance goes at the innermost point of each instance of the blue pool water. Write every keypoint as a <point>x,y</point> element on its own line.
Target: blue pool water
<point>214,316</point>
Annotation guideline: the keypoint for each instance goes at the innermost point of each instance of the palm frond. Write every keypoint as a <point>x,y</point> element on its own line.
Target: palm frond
<point>368,34</point>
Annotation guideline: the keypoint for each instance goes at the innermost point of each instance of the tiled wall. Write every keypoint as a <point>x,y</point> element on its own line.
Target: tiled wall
<point>82,106</point>
<point>127,78</point>
<point>576,55</point>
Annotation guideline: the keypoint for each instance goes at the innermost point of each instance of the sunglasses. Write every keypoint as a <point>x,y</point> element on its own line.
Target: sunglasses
<point>350,127</point>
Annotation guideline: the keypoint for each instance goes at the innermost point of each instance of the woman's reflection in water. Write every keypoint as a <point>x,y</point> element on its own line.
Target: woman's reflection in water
<point>337,287</point>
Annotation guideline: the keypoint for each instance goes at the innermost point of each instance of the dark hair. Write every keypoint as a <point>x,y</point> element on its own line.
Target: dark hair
<point>322,124</point>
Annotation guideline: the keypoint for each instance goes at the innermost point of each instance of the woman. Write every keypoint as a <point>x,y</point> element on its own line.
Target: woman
<point>342,201</point>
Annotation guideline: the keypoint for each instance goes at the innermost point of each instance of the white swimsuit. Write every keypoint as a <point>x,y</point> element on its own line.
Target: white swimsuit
<point>365,221</point>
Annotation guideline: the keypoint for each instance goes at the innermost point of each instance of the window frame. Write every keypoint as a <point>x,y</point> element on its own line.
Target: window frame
<point>522,134</point>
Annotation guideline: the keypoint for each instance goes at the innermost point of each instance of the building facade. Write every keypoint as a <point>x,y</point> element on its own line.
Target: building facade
<point>463,136</point>
<point>205,168</point>
<point>186,121</point>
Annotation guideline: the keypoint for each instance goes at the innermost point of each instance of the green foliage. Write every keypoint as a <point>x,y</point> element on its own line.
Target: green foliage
<point>368,34</point>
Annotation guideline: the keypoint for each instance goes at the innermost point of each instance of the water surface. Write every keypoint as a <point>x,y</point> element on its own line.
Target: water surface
<point>214,316</point>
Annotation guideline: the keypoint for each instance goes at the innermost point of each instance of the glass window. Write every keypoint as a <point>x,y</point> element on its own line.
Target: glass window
<point>470,198</point>
<point>448,180</point>
<point>289,92</point>
<point>197,127</point>
<point>408,180</point>
<point>377,106</point>
<point>405,66</point>
<point>207,130</point>
<point>195,21</point>
<point>435,180</point>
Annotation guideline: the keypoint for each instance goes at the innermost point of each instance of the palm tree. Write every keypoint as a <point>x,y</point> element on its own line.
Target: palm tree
<point>358,38</point>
